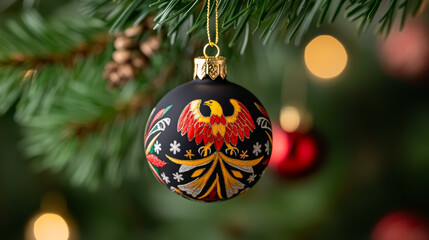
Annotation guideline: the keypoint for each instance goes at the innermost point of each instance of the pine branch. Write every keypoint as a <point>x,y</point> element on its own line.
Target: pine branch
<point>36,41</point>
<point>73,123</point>
<point>290,17</point>
<point>32,43</point>
<point>57,129</point>
<point>91,133</point>
<point>58,140</point>
<point>10,81</point>
<point>119,14</point>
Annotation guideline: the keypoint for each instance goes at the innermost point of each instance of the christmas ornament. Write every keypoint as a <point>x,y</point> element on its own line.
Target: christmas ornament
<point>295,154</point>
<point>401,226</point>
<point>406,53</point>
<point>131,58</point>
<point>208,139</point>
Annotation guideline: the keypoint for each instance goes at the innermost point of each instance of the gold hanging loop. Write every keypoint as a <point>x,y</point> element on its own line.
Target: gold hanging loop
<point>211,44</point>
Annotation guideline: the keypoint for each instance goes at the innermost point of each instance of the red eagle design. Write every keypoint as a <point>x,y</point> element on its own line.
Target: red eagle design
<point>216,129</point>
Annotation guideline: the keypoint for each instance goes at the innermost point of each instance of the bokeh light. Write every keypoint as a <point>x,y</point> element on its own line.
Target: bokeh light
<point>401,225</point>
<point>50,226</point>
<point>290,118</point>
<point>325,57</point>
<point>404,60</point>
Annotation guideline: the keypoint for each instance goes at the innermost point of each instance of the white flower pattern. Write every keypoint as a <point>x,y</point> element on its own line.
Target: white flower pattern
<point>251,178</point>
<point>267,147</point>
<point>257,149</point>
<point>175,147</point>
<point>178,177</point>
<point>157,147</point>
<point>165,178</point>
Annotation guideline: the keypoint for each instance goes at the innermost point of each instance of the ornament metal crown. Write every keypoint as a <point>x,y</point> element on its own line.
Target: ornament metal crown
<point>212,67</point>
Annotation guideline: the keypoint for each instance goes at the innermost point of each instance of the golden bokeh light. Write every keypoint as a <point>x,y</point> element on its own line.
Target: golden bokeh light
<point>290,118</point>
<point>325,57</point>
<point>50,226</point>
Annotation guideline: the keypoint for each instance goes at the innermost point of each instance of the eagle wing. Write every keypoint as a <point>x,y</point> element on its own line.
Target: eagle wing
<point>240,124</point>
<point>193,123</point>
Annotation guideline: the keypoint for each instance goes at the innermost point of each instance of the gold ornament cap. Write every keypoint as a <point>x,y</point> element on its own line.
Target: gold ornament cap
<point>210,66</point>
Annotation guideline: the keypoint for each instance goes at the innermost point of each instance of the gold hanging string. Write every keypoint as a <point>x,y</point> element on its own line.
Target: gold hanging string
<point>208,23</point>
<point>212,44</point>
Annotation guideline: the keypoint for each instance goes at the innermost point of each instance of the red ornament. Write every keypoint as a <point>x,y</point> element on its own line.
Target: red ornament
<point>281,146</point>
<point>406,54</point>
<point>294,154</point>
<point>401,226</point>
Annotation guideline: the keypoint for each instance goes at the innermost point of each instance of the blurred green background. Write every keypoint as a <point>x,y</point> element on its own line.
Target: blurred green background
<point>373,128</point>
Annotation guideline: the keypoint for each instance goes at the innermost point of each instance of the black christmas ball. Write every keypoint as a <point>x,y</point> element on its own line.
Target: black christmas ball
<point>208,139</point>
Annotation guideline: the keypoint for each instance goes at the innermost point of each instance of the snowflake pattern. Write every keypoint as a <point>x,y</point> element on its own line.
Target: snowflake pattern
<point>243,154</point>
<point>251,178</point>
<point>175,147</point>
<point>157,147</point>
<point>165,178</point>
<point>178,177</point>
<point>189,154</point>
<point>267,147</point>
<point>257,149</point>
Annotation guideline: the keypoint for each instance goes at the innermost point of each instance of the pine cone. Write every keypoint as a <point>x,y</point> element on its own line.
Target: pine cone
<point>123,43</point>
<point>122,56</point>
<point>129,59</point>
<point>150,46</point>
<point>134,31</point>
